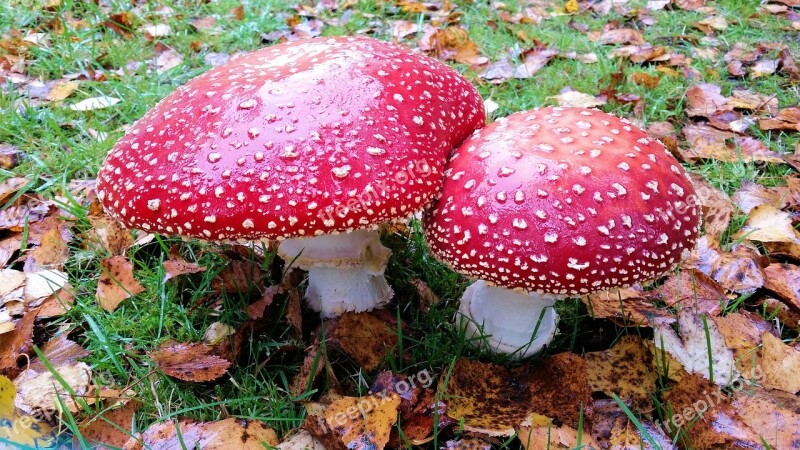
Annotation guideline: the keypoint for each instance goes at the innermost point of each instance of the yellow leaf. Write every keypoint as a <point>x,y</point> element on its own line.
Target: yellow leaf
<point>571,6</point>
<point>19,429</point>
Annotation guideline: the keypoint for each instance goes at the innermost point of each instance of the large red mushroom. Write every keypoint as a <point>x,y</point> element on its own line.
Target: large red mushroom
<point>557,202</point>
<point>314,143</point>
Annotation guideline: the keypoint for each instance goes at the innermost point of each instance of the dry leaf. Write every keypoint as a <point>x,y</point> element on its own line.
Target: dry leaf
<point>772,419</point>
<point>10,186</point>
<point>784,280</point>
<point>116,283</point>
<point>706,419</point>
<point>579,99</point>
<point>313,362</point>
<point>626,370</point>
<point>787,119</point>
<point>691,348</point>
<point>23,431</point>
<point>738,270</point>
<point>10,156</point>
<point>765,223</point>
<point>781,365</point>
<point>93,103</point>
<point>62,90</point>
<point>367,337</point>
<point>15,344</point>
<point>355,423</point>
<point>540,432</point>
<point>484,397</point>
<point>612,429</point>
<point>52,253</point>
<point>627,306</point>
<point>189,362</point>
<point>167,60</point>
<point>216,332</point>
<point>704,100</point>
<point>716,206</point>
<point>111,428</point>
<point>694,290</point>
<point>176,265</point>
<point>109,235</point>
<point>300,440</point>
<point>427,297</point>
<point>742,332</point>
<point>42,284</point>
<point>244,434</point>
<point>558,386</point>
<point>39,391</point>
<point>621,36</point>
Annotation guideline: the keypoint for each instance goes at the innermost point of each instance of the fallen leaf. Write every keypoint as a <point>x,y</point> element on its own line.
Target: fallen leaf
<point>300,440</point>
<point>10,156</point>
<point>10,281</point>
<point>645,79</point>
<point>540,432</point>
<point>239,276</point>
<point>355,423</point>
<point>626,370</point>
<point>52,253</point>
<point>620,36</point>
<point>738,270</point>
<point>692,348</point>
<point>21,430</point>
<point>787,119</point>
<point>558,387</point>
<point>313,362</point>
<point>167,60</point>
<point>627,306</point>
<point>578,99</point>
<point>116,283</point>
<point>781,364</point>
<point>705,99</point>
<point>39,392</point>
<point>765,223</point>
<point>42,284</point>
<point>427,298</point>
<point>59,351</point>
<point>453,43</point>
<point>716,206</point>
<point>155,30</point>
<point>16,343</point>
<point>774,421</point>
<point>204,23</point>
<point>367,337</point>
<point>189,361</point>
<point>742,332</point>
<point>612,429</point>
<point>216,332</point>
<point>694,290</point>
<point>245,434</point>
<point>752,194</point>
<point>108,235</point>
<point>784,280</point>
<point>711,24</point>
<point>93,103</point>
<point>111,428</point>
<point>10,186</point>
<point>176,265</point>
<point>484,398</point>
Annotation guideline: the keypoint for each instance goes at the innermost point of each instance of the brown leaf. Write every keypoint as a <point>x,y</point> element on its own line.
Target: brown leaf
<point>10,186</point>
<point>204,23</point>
<point>787,119</point>
<point>692,289</point>
<point>62,90</point>
<point>645,79</point>
<point>108,235</point>
<point>626,369</point>
<point>294,313</point>
<point>485,398</point>
<point>577,99</point>
<point>621,36</point>
<point>121,23</point>
<point>558,386</point>
<point>244,434</point>
<point>189,361</point>
<point>772,418</point>
<point>111,428</point>
<point>258,309</point>
<point>752,194</point>
<point>716,206</point>
<point>38,392</point>
<point>16,218</point>
<point>427,297</point>
<point>704,414</point>
<point>176,265</point>
<point>540,432</point>
<point>10,156</point>
<point>784,280</point>
<point>627,306</point>
<point>705,99</point>
<point>116,283</point>
<point>367,337</point>
<point>167,60</point>
<point>313,362</point>
<point>468,443</point>
<point>239,276</point>
<point>453,43</point>
<point>52,253</point>
<point>612,429</point>
<point>15,344</point>
<point>58,303</point>
<point>737,271</point>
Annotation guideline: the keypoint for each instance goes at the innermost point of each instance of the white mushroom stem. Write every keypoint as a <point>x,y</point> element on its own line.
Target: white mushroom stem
<point>515,322</point>
<point>345,271</point>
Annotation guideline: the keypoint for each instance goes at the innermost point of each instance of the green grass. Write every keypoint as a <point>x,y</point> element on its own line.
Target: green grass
<point>59,147</point>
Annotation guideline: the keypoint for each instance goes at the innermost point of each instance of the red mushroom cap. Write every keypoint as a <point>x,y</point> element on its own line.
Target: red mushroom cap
<point>565,201</point>
<point>298,139</point>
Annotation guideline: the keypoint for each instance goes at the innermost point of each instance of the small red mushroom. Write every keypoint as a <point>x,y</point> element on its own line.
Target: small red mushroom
<point>557,202</point>
<point>315,141</point>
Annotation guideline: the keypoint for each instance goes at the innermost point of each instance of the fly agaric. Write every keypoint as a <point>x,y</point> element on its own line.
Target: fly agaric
<point>313,143</point>
<point>551,203</point>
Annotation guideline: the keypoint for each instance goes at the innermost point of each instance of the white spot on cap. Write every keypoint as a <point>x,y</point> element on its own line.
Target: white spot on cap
<point>248,104</point>
<point>375,151</point>
<point>550,237</point>
<point>154,204</point>
<point>520,224</point>
<point>248,223</point>
<point>341,172</point>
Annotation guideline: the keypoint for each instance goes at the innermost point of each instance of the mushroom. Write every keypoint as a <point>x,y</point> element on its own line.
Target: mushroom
<point>551,203</point>
<point>314,143</point>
